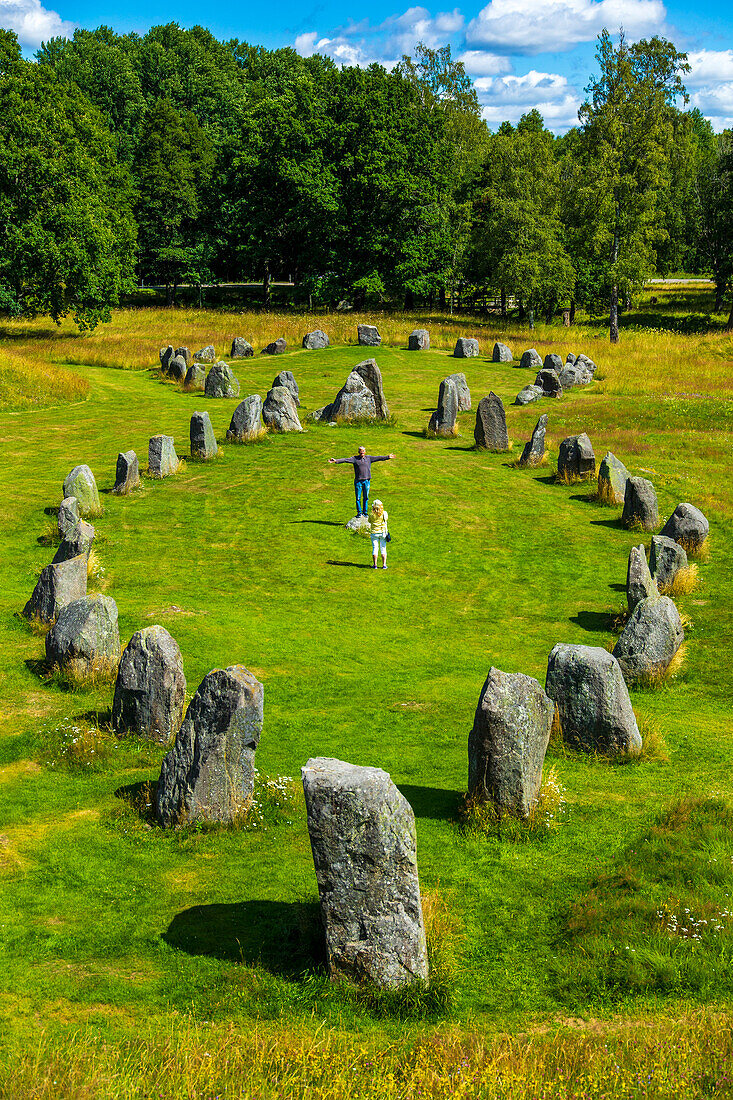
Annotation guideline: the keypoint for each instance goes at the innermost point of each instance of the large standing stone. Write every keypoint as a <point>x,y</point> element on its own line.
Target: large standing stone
<point>586,363</point>
<point>534,448</point>
<point>206,355</point>
<point>368,336</point>
<point>203,440</point>
<point>443,420</point>
<point>69,515</point>
<point>688,526</point>
<point>314,341</point>
<point>650,638</point>
<point>507,745</point>
<point>57,586</point>
<point>195,378</point>
<point>286,378</point>
<point>162,457</point>
<point>241,348</point>
<point>85,640</point>
<point>279,412</point>
<point>127,473</point>
<point>666,558</point>
<point>177,368</point>
<point>612,478</point>
<point>552,362</point>
<point>501,353</point>
<point>418,340</point>
<point>150,690</point>
<point>165,355</point>
<point>464,394</point>
<point>220,382</point>
<point>372,376</point>
<point>466,347</point>
<point>576,458</point>
<point>362,833</point>
<point>354,401</point>
<point>80,483</point>
<point>640,504</point>
<point>639,582</point>
<point>574,374</point>
<point>246,421</point>
<point>275,347</point>
<point>76,541</point>
<point>550,382</point>
<point>185,354</point>
<point>209,773</point>
<point>490,431</point>
<point>530,358</point>
<point>529,394</point>
<point>592,699</point>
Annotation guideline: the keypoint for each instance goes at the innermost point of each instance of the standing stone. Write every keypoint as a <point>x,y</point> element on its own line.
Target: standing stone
<point>576,458</point>
<point>77,541</point>
<point>203,440</point>
<point>165,355</point>
<point>650,639</point>
<point>206,355</point>
<point>185,354</point>
<point>177,368</point>
<point>69,515</point>
<point>287,379</point>
<point>666,558</point>
<point>552,362</point>
<point>246,420</point>
<point>241,348</point>
<point>57,586</point>
<point>162,457</point>
<point>688,526</point>
<point>314,341</point>
<point>464,394</point>
<point>418,340</point>
<point>574,374</point>
<point>220,382</point>
<point>209,773</point>
<point>612,478</point>
<point>368,336</point>
<point>80,483</point>
<point>85,640</point>
<point>354,401</point>
<point>501,353</point>
<point>279,412</point>
<point>507,745</point>
<point>275,347</point>
<point>195,378</point>
<point>640,504</point>
<point>534,448</point>
<point>443,420</point>
<point>639,583</point>
<point>528,395</point>
<point>570,358</point>
<point>372,377</point>
<point>362,833</point>
<point>127,473</point>
<point>592,699</point>
<point>550,382</point>
<point>466,348</point>
<point>490,431</point>
<point>586,363</point>
<point>150,690</point>
<point>530,358</point>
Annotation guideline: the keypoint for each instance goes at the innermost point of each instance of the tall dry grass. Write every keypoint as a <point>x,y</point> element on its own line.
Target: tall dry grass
<point>29,379</point>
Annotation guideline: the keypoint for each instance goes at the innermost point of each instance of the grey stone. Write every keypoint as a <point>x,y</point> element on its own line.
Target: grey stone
<point>529,394</point>
<point>185,354</point>
<point>570,358</point>
<point>507,745</point>
<point>574,374</point>
<point>57,586</point>
<point>177,368</point>
<point>650,639</point>
<point>362,833</point>
<point>279,412</point>
<point>586,363</point>
<point>640,504</point>
<point>150,690</point>
<point>612,478</point>
<point>203,440</point>
<point>69,515</point>
<point>592,699</point>
<point>353,401</point>
<point>666,558</point>
<point>220,382</point>
<point>418,340</point>
<point>534,448</point>
<point>195,378</point>
<point>368,336</point>
<point>530,358</point>
<point>314,341</point>
<point>501,353</point>
<point>206,355</point>
<point>549,380</point>
<point>275,347</point>
<point>639,582</point>
<point>246,420</point>
<point>688,526</point>
<point>287,379</point>
<point>343,306</point>
<point>165,355</point>
<point>466,347</point>
<point>576,458</point>
<point>358,523</point>
<point>372,376</point>
<point>241,348</point>
<point>76,541</point>
<point>127,473</point>
<point>443,420</point>
<point>490,431</point>
<point>162,457</point>
<point>464,394</point>
<point>552,362</point>
<point>208,775</point>
<point>85,640</point>
<point>80,483</point>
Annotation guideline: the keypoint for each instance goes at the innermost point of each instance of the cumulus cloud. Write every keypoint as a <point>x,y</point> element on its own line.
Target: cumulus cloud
<point>483,63</point>
<point>361,43</point>
<point>716,104</point>
<point>33,23</point>
<point>708,67</point>
<point>550,26</point>
<point>507,98</point>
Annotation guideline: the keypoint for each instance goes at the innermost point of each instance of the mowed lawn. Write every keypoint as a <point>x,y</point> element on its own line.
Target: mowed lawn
<point>107,920</point>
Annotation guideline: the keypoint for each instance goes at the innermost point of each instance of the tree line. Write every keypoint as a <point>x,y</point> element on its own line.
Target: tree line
<point>175,158</point>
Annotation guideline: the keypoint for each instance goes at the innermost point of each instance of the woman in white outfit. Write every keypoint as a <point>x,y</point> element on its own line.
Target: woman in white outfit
<point>378,520</point>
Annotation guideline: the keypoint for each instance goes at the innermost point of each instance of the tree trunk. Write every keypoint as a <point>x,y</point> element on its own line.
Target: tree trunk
<point>441,298</point>
<point>431,299</point>
<point>572,312</point>
<point>613,315</point>
<point>266,285</point>
<point>549,312</point>
<point>503,303</point>
<point>729,326</point>
<point>521,309</point>
<point>531,320</point>
<point>409,300</point>
<point>168,294</point>
<point>719,295</point>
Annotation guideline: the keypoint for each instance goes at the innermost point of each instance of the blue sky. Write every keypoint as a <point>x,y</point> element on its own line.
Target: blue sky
<point>520,53</point>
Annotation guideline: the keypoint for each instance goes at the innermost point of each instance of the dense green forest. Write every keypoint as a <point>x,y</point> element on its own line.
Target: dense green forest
<point>174,158</point>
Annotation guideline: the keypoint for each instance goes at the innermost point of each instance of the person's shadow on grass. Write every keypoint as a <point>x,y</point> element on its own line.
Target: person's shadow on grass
<point>353,564</point>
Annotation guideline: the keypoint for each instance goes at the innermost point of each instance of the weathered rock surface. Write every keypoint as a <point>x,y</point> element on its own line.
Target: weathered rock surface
<point>185,354</point>
<point>550,382</point>
<point>639,582</point>
<point>529,394</point>
<point>162,457</point>
<point>286,378</point>
<point>612,478</point>
<point>650,638</point>
<point>150,690</point>
<point>466,347</point>
<point>165,355</point>
<point>80,483</point>
<point>586,363</point>
<point>464,394</point>
<point>69,515</point>
<point>592,699</point>
<point>203,440</point>
<point>279,412</point>
<point>570,358</point>
<point>501,353</point>
<point>209,773</point>
<point>372,376</point>
<point>246,420</point>
<point>314,341</point>
<point>220,382</point>
<point>276,347</point>
<point>507,745</point>
<point>576,458</point>
<point>177,368</point>
<point>57,586</point>
<point>127,473</point>
<point>443,420</point>
<point>530,358</point>
<point>490,431</point>
<point>206,355</point>
<point>241,348</point>
<point>640,504</point>
<point>688,526</point>
<point>574,374</point>
<point>666,558</point>
<point>76,541</point>
<point>362,833</point>
<point>552,362</point>
<point>358,523</point>
<point>534,448</point>
<point>195,378</point>
<point>368,336</point>
<point>418,340</point>
<point>85,640</point>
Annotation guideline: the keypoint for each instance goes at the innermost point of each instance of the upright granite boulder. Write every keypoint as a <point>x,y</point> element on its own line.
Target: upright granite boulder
<point>208,775</point>
<point>466,348</point>
<point>85,640</point>
<point>574,374</point>
<point>286,378</point>
<point>220,382</point>
<point>443,420</point>
<point>127,473</point>
<point>612,478</point>
<point>501,353</point>
<point>69,514</point>
<point>80,483</point>
<point>276,347</point>
<point>575,459</point>
<point>206,355</point>
<point>552,362</point>
<point>362,833</point>
<point>165,355</point>
<point>150,690</point>
<point>75,542</point>
<point>195,378</point>
<point>418,340</point>
<point>651,638</point>
<point>57,586</point>
<point>279,412</point>
<point>549,380</point>
<point>185,354</point>
<point>529,394</point>
<point>162,458</point>
<point>639,582</point>
<point>666,559</point>
<point>592,700</point>
<point>688,526</point>
<point>372,377</point>
<point>534,449</point>
<point>464,394</point>
<point>246,423</point>
<point>368,336</point>
<point>361,396</point>
<point>490,431</point>
<point>241,348</point>
<point>316,340</point>
<point>177,368</point>
<point>507,745</point>
<point>530,359</point>
<point>641,510</point>
<point>203,440</point>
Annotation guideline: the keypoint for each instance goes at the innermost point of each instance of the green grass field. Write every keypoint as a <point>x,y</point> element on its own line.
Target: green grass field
<point>141,963</point>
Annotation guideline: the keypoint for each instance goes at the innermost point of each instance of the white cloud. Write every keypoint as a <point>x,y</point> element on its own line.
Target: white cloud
<point>716,103</point>
<point>361,43</point>
<point>483,63</point>
<point>33,23</point>
<point>507,98</point>
<point>550,26</point>
<point>708,67</point>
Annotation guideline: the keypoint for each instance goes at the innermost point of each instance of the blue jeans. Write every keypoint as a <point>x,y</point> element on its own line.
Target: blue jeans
<point>361,488</point>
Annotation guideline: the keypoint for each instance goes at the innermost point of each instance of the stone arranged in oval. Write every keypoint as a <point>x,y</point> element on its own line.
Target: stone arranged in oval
<point>466,347</point>
<point>162,458</point>
<point>368,336</point>
<point>316,340</point>
<point>57,586</point>
<point>201,434</point>
<point>246,422</point>
<point>85,640</point>
<point>666,559</point>
<point>612,478</point>
<point>688,526</point>
<point>490,431</point>
<point>221,382</point>
<point>418,340</point>
<point>639,581</point>
<point>127,473</point>
<point>592,699</point>
<point>241,348</point>
<point>576,459</point>
<point>651,638</point>
<point>279,412</point>
<point>286,378</point>
<point>80,483</point>
<point>501,353</point>
<point>150,689</point>
<point>640,505</point>
<point>443,420</point>
<point>534,449</point>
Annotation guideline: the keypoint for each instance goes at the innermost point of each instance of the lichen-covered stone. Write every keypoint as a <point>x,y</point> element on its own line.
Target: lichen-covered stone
<point>592,699</point>
<point>69,515</point>
<point>162,458</point>
<point>165,355</point>
<point>443,420</point>
<point>286,378</point>
<point>650,639</point>
<point>368,336</point>
<point>206,355</point>
<point>75,542</point>
<point>490,432</point>
<point>85,640</point>
<point>246,422</point>
<point>552,362</point>
<point>666,559</point>
<point>466,347</point>
<point>80,483</point>
<point>639,582</point>
<point>688,526</point>
<point>418,340</point>
<point>279,412</point>
<point>529,394</point>
<point>241,348</point>
<point>185,354</point>
<point>534,448</point>
<point>276,347</point>
<point>57,586</point>
<point>576,458</point>
<point>464,394</point>
<point>640,504</point>
<point>501,353</point>
<point>203,440</point>
<point>530,359</point>
<point>316,340</point>
<point>549,380</point>
<point>195,378</point>
<point>127,473</point>
<point>150,690</point>
<point>220,382</point>
<point>177,368</point>
<point>612,478</point>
